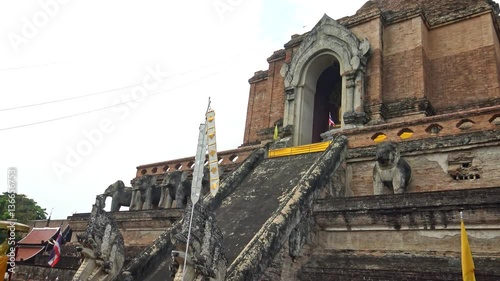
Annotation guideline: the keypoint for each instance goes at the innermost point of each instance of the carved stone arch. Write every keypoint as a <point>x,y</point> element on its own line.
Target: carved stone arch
<point>328,40</point>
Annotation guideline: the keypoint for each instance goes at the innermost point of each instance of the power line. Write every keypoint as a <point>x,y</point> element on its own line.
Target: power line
<point>107,91</point>
<point>27,66</point>
<point>67,99</point>
<point>87,95</point>
<point>104,108</point>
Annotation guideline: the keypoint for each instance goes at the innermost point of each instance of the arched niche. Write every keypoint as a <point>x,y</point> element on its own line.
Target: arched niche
<point>326,44</point>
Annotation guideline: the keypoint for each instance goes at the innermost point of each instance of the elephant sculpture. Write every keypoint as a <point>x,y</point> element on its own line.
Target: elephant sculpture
<point>120,194</point>
<point>175,187</point>
<point>183,189</point>
<point>145,193</point>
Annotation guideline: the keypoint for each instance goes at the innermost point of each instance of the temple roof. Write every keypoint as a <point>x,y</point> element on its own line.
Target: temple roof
<point>25,253</point>
<point>39,236</point>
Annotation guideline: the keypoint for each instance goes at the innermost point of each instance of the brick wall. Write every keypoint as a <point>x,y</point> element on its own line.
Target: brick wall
<point>277,105</point>
<point>258,115</point>
<point>404,237</point>
<point>452,65</point>
<point>372,30</point>
<point>437,171</point>
<point>266,101</point>
<point>496,43</point>
<point>403,61</point>
<point>463,62</point>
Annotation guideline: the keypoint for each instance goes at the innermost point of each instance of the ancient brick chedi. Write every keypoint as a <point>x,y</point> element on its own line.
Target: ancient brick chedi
<point>423,74</point>
<point>392,61</point>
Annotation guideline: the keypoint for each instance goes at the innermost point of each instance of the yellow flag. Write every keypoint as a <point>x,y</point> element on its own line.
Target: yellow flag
<point>4,247</point>
<point>467,262</point>
<point>3,265</point>
<point>275,137</point>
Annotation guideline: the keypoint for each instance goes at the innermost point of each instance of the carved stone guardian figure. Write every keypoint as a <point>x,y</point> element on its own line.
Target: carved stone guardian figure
<point>390,170</point>
<point>101,245</point>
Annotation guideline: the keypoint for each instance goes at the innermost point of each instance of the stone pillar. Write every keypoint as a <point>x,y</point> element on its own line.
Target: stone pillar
<point>289,107</point>
<point>354,114</point>
<point>359,89</point>
<point>348,107</point>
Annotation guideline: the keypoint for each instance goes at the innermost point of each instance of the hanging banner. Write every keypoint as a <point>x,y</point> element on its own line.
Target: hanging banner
<point>213,160</point>
<point>198,164</point>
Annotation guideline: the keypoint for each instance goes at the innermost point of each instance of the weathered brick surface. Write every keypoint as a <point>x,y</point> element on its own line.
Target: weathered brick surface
<point>496,44</point>
<point>277,104</point>
<point>404,237</point>
<point>448,127</point>
<point>464,79</point>
<point>392,266</point>
<point>443,53</point>
<point>260,113</point>
<point>139,228</point>
<point>437,171</point>
<point>403,36</point>
<point>463,36</point>
<point>266,101</point>
<point>372,30</point>
<point>403,75</point>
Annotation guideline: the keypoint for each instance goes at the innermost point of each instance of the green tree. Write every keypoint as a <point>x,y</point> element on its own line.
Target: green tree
<point>26,209</point>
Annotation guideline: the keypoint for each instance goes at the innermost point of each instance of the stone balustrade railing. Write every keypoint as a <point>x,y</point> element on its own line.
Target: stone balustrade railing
<point>228,159</point>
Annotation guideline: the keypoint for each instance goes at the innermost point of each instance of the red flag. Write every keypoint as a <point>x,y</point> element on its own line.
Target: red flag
<point>56,251</point>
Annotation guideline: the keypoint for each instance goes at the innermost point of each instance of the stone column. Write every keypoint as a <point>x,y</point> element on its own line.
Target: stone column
<point>349,98</point>
<point>289,107</point>
<point>358,91</point>
<point>354,114</point>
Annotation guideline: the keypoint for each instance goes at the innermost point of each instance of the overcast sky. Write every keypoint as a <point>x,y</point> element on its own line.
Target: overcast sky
<point>135,76</point>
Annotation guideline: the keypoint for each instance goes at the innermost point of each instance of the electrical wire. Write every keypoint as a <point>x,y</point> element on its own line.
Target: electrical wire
<point>67,99</point>
<point>111,90</point>
<point>107,107</point>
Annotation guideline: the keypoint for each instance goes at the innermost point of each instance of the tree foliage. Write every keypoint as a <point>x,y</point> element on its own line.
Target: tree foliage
<point>26,209</point>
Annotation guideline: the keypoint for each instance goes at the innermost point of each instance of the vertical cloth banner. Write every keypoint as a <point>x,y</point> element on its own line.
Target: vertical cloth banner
<point>213,160</point>
<point>467,262</point>
<point>199,160</point>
